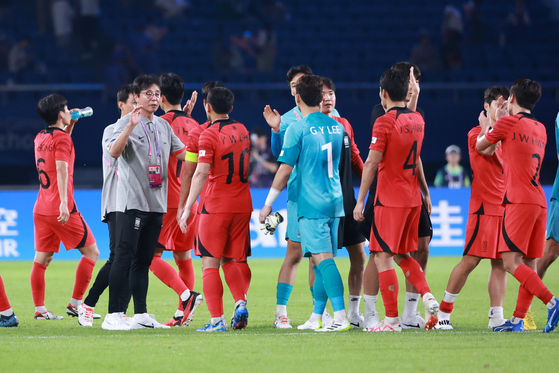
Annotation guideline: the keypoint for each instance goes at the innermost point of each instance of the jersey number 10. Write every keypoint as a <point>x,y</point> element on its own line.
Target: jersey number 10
<point>243,174</point>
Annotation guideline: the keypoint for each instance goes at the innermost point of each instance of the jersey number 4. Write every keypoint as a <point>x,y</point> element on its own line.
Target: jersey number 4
<point>243,171</point>
<point>412,156</point>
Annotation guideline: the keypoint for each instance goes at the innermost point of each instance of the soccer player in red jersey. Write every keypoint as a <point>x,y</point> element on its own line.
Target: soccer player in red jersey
<point>485,217</point>
<point>56,215</point>
<point>225,212</point>
<point>523,141</point>
<point>7,315</point>
<point>394,151</point>
<point>170,238</point>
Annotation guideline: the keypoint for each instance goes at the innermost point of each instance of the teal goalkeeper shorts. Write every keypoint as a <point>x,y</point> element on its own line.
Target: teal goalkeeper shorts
<point>553,221</point>
<point>319,236</point>
<point>292,232</point>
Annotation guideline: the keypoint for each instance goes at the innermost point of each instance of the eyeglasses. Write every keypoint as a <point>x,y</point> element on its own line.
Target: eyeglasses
<point>150,94</point>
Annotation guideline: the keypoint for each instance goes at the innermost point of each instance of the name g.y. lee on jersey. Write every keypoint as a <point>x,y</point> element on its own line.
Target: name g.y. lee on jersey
<point>329,129</point>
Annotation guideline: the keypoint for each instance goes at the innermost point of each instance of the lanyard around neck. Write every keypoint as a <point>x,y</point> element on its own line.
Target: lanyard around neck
<point>149,140</point>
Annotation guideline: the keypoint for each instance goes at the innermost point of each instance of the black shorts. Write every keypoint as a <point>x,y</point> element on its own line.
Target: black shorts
<point>425,226</point>
<point>348,232</point>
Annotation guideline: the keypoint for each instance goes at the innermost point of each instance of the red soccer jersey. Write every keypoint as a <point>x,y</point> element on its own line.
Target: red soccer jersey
<point>194,137</point>
<point>225,144</point>
<point>398,134</point>
<point>182,124</point>
<point>51,145</point>
<point>523,141</point>
<point>356,161</point>
<point>488,186</point>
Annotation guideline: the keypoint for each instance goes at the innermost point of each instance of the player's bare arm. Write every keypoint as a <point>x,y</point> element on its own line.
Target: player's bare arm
<point>484,123</point>
<point>273,118</point>
<point>189,106</point>
<point>423,185</point>
<point>188,170</point>
<point>70,128</point>
<point>369,171</point>
<point>198,182</point>
<point>117,146</point>
<point>280,181</point>
<point>62,180</point>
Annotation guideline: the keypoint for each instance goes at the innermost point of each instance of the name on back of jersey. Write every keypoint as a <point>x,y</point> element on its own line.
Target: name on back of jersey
<point>411,128</point>
<point>526,138</point>
<point>233,139</point>
<point>325,129</point>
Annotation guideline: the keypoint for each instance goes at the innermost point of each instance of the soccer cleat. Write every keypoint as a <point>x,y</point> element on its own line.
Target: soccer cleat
<point>431,312</point>
<point>47,316</point>
<point>220,326</point>
<point>385,326</point>
<point>115,321</point>
<point>310,325</point>
<point>356,320</point>
<point>73,311</point>
<point>240,318</point>
<point>508,326</point>
<point>444,325</point>
<point>529,323</point>
<point>371,320</point>
<point>413,322</point>
<point>327,320</point>
<point>85,315</point>
<point>282,322</point>
<point>8,321</point>
<point>552,318</point>
<point>175,321</point>
<point>144,321</point>
<point>190,305</point>
<point>336,327</point>
<point>497,321</point>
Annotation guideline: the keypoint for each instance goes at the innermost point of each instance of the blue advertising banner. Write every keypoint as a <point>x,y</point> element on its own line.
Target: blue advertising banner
<point>449,216</point>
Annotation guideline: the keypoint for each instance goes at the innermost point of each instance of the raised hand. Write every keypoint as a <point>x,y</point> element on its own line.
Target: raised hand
<point>502,108</point>
<point>273,118</point>
<point>484,121</point>
<point>189,106</point>
<point>413,83</point>
<point>135,116</point>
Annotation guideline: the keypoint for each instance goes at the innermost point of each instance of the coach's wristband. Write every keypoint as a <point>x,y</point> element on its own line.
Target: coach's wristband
<point>272,196</point>
<point>191,157</point>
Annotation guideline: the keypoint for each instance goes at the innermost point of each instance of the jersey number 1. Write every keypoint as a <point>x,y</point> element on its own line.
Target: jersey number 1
<point>411,157</point>
<point>328,148</point>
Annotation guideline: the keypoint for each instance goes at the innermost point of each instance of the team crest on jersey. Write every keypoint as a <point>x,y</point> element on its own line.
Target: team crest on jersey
<point>201,153</point>
<point>374,140</point>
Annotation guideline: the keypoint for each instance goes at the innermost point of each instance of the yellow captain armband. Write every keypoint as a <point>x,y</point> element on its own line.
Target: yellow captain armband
<point>191,157</point>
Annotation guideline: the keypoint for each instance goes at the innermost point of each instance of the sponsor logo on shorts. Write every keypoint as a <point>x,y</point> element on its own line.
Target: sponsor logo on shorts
<point>137,224</point>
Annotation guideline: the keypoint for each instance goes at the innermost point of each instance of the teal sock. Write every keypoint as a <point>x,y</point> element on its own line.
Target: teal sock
<point>320,296</point>
<point>283,293</point>
<point>312,290</point>
<point>333,284</point>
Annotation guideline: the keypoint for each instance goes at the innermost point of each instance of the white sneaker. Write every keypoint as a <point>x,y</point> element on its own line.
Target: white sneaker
<point>336,327</point>
<point>327,320</point>
<point>127,320</point>
<point>371,320</point>
<point>497,321</point>
<point>144,321</point>
<point>47,316</point>
<point>310,325</point>
<point>444,325</point>
<point>96,316</point>
<point>385,326</point>
<point>431,311</point>
<point>85,315</point>
<point>412,322</point>
<point>114,321</point>
<point>282,322</point>
<point>356,320</point>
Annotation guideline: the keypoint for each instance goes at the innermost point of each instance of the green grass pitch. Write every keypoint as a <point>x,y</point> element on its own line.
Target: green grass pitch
<point>65,346</point>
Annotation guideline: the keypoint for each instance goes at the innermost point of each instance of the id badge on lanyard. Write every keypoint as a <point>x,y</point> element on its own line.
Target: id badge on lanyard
<point>154,170</point>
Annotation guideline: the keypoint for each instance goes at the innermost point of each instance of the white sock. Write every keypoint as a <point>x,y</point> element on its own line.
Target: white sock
<point>551,303</point>
<point>393,320</point>
<point>353,304</point>
<point>444,315</point>
<point>215,320</point>
<point>449,297</point>
<point>496,312</point>
<point>41,309</point>
<point>370,304</point>
<point>185,295</point>
<point>410,305</point>
<point>238,302</point>
<point>315,317</point>
<point>340,316</point>
<point>8,312</point>
<point>85,305</point>
<point>515,320</point>
<point>75,302</point>
<point>179,313</point>
<point>281,310</point>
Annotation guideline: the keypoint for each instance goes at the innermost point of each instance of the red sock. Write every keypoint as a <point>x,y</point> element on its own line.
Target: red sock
<point>414,274</point>
<point>83,276</point>
<point>213,291</point>
<point>388,282</point>
<point>234,279</point>
<point>532,282</point>
<point>167,274</point>
<point>523,302</point>
<point>38,284</point>
<point>4,304</point>
<point>186,272</point>
<point>446,307</point>
<point>247,274</point>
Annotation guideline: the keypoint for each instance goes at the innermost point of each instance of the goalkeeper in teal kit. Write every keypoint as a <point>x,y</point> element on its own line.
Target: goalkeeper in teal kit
<point>314,144</point>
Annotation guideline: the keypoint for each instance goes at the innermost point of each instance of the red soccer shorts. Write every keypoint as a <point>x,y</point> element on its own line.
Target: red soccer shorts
<point>482,236</point>
<point>49,232</point>
<point>223,235</point>
<point>395,229</point>
<point>171,237</point>
<point>247,251</point>
<point>523,230</point>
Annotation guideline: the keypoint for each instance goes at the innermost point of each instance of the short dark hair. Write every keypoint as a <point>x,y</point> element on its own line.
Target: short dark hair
<point>406,66</point>
<point>143,82</point>
<point>172,87</point>
<point>493,93</point>
<point>208,86</point>
<point>49,107</point>
<point>527,92</point>
<point>125,92</point>
<point>395,82</point>
<point>301,69</point>
<point>328,83</point>
<point>309,87</point>
<point>221,100</point>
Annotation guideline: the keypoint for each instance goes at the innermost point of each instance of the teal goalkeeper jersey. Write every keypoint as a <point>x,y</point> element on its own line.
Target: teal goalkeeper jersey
<point>555,190</point>
<point>313,146</point>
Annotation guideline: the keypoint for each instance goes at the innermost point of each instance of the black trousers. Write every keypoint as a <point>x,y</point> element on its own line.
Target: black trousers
<point>136,237</point>
<point>102,279</point>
